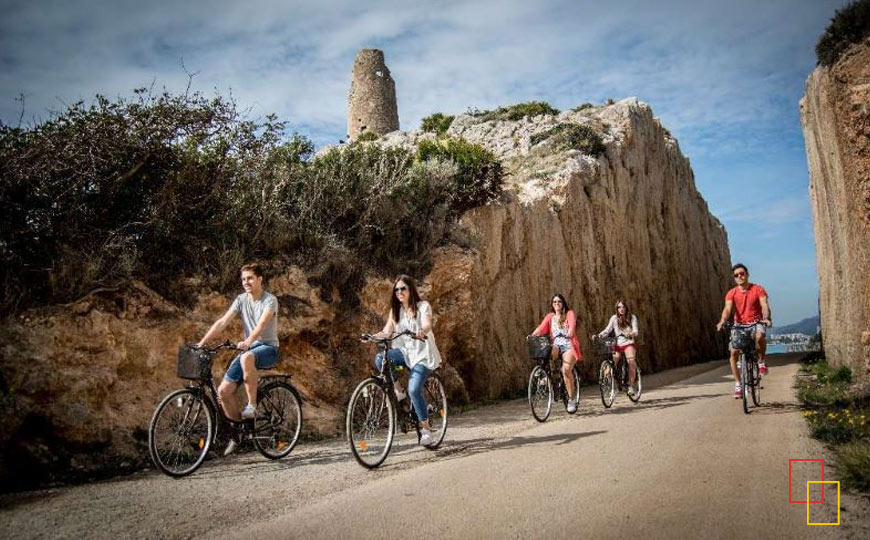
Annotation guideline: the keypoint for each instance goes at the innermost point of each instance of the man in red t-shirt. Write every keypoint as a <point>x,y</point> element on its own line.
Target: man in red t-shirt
<point>749,303</point>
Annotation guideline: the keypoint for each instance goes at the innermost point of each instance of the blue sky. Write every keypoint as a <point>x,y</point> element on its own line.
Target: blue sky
<point>724,77</point>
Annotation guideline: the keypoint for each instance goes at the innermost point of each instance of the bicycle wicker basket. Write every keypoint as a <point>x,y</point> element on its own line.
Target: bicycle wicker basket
<point>539,347</point>
<point>742,339</point>
<point>604,346</point>
<point>193,364</point>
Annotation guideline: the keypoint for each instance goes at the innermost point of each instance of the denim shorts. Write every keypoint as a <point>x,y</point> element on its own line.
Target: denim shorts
<point>266,357</point>
<point>563,347</point>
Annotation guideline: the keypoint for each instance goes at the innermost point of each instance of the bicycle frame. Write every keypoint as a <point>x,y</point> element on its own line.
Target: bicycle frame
<point>748,362</point>
<point>385,375</point>
<point>559,389</point>
<point>208,389</point>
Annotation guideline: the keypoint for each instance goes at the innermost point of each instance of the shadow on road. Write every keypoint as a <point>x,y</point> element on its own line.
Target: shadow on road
<point>774,407</point>
<point>627,407</point>
<point>462,449</point>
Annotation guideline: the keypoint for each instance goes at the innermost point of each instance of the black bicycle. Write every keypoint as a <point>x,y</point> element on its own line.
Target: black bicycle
<point>373,412</point>
<point>750,380</point>
<point>186,422</point>
<point>543,387</point>
<point>613,377</point>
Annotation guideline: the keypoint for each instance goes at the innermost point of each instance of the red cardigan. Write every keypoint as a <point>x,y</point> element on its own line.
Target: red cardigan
<point>544,330</point>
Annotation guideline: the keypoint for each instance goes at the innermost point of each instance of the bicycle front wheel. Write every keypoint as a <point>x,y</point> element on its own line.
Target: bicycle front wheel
<point>607,383</point>
<point>744,381</point>
<point>371,420</point>
<point>636,388</point>
<point>278,420</point>
<point>436,403</point>
<point>540,394</point>
<point>756,384</point>
<point>180,432</point>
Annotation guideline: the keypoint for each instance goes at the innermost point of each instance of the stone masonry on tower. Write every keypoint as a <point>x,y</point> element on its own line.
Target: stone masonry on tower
<point>372,100</point>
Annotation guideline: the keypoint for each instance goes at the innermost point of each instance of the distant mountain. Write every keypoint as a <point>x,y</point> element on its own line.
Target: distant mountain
<point>807,326</point>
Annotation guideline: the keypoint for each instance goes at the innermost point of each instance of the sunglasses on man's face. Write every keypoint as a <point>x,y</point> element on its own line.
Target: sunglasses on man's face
<point>400,289</point>
<point>739,274</point>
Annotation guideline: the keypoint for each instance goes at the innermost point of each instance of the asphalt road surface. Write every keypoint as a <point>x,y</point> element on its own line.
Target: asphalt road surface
<point>683,463</point>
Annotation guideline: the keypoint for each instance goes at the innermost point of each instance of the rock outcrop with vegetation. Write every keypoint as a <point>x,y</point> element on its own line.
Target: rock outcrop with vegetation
<point>494,215</point>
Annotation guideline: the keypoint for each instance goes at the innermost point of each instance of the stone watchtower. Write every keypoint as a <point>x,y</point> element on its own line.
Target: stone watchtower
<point>372,101</point>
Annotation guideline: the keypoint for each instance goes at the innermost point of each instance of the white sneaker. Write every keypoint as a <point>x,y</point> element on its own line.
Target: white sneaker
<point>630,391</point>
<point>231,447</point>
<point>249,412</point>
<point>425,437</point>
<point>400,394</point>
<point>572,406</point>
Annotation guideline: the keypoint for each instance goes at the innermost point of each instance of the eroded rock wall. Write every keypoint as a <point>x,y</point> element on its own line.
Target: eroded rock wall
<point>627,225</point>
<point>835,113</point>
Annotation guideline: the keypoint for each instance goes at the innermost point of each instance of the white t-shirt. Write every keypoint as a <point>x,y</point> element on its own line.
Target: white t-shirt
<point>621,340</point>
<point>415,350</point>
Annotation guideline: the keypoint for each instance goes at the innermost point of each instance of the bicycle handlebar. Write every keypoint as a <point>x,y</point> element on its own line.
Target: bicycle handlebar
<point>370,337</point>
<point>227,344</point>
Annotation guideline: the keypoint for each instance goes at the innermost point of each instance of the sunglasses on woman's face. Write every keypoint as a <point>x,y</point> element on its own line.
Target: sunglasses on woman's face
<point>401,289</point>
<point>620,307</point>
<point>739,274</point>
<point>557,301</point>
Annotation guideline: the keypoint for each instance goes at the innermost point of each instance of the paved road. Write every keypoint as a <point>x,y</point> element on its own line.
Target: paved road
<point>684,463</point>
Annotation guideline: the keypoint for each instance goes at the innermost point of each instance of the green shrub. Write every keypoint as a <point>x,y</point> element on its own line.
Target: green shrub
<point>854,465</point>
<point>367,136</point>
<point>516,112</point>
<point>572,136</point>
<point>824,395</point>
<point>583,106</point>
<point>848,26</point>
<point>164,187</point>
<point>479,173</point>
<point>102,193</point>
<point>436,123</point>
<point>379,201</point>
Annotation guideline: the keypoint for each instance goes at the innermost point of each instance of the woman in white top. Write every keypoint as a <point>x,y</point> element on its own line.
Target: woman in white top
<point>623,325</point>
<point>420,355</point>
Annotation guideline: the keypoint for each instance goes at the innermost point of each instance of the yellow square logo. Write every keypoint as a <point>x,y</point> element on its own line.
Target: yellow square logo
<point>808,498</point>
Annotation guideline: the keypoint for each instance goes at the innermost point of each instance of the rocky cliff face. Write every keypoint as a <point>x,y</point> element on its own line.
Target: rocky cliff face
<point>78,383</point>
<point>835,113</point>
<point>629,224</point>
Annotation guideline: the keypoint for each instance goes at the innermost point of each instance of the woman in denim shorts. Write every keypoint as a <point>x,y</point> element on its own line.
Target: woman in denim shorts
<point>561,324</point>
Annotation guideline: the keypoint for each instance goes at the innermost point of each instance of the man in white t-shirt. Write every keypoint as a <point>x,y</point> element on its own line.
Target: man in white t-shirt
<point>258,310</point>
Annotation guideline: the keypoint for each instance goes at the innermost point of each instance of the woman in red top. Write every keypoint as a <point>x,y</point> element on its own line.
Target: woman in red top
<point>561,324</point>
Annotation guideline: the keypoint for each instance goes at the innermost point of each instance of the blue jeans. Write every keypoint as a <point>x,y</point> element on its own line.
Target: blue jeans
<point>266,357</point>
<point>416,380</point>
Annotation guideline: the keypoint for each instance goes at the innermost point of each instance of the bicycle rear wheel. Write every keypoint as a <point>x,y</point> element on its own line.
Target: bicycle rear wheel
<point>436,403</point>
<point>576,395</point>
<point>744,381</point>
<point>180,432</point>
<point>756,384</point>
<point>278,420</point>
<point>371,420</point>
<point>607,383</point>
<point>636,388</point>
<point>540,394</point>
